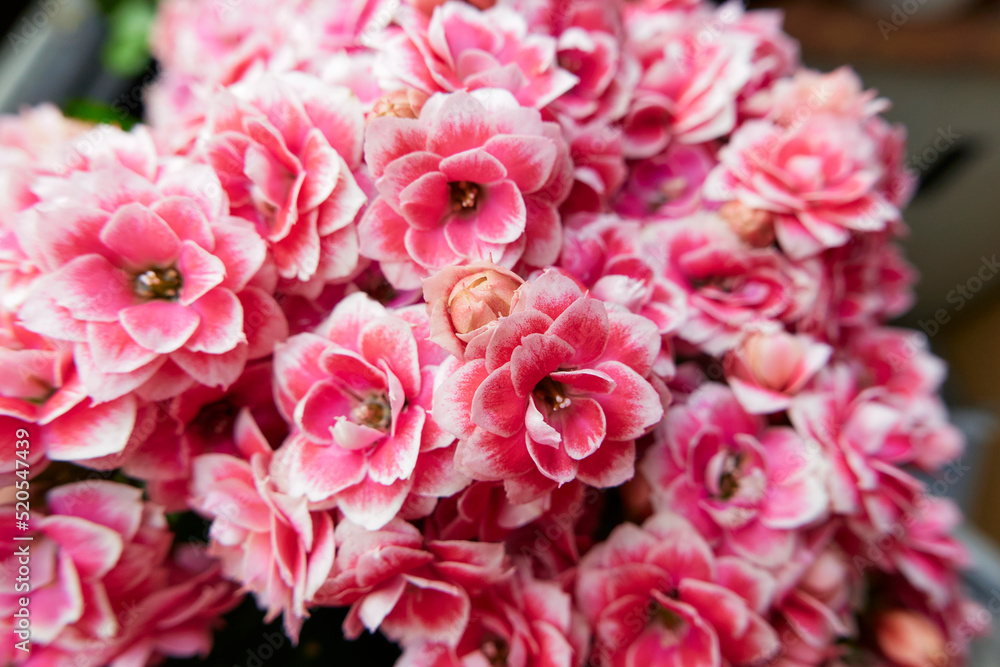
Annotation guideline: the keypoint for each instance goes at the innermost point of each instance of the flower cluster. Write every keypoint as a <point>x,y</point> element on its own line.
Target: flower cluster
<point>534,332</point>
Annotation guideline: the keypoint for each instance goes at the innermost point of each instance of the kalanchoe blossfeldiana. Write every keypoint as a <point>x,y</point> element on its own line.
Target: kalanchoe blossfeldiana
<point>729,288</point>
<point>475,177</point>
<point>285,149</point>
<point>820,177</point>
<point>464,48</point>
<point>558,393</point>
<point>747,488</point>
<point>148,276</point>
<point>656,595</point>
<point>267,539</point>
<point>357,393</point>
<point>414,590</point>
<point>518,621</point>
<point>104,586</point>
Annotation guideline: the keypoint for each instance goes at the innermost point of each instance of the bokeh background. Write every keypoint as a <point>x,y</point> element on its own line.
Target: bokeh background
<point>937,60</point>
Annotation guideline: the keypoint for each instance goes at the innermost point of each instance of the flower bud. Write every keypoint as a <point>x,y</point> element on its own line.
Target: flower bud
<point>397,104</point>
<point>910,639</point>
<point>480,299</point>
<point>754,226</point>
<point>465,301</point>
<point>771,366</point>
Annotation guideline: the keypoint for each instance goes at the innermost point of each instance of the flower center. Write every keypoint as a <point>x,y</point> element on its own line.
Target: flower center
<point>553,393</point>
<point>464,196</point>
<point>729,480</point>
<point>374,412</point>
<point>496,651</point>
<point>216,420</point>
<point>159,284</point>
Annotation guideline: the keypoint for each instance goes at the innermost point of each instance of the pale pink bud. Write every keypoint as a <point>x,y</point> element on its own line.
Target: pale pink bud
<point>770,367</point>
<point>910,639</point>
<point>754,226</point>
<point>465,301</point>
<point>398,104</point>
<point>480,299</point>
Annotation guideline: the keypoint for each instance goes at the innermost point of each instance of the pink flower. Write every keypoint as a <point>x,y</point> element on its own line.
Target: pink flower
<point>358,393</point>
<point>285,148</point>
<point>656,595</point>
<point>818,611</point>
<point>267,539</point>
<point>103,586</point>
<point>745,487</point>
<point>690,83</point>
<point>521,621</point>
<point>667,185</point>
<point>820,177</point>
<point>769,367</point>
<point>866,282</point>
<point>202,420</point>
<point>557,394</point>
<point>866,437</point>
<point>599,169</point>
<point>809,92</point>
<point>414,591</point>
<point>730,289</point>
<point>606,254</point>
<point>591,46</point>
<point>476,177</point>
<point>148,278</point>
<point>41,392</point>
<point>464,48</point>
<point>465,302</point>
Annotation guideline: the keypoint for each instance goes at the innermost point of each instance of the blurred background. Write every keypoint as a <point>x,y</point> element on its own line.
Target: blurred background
<point>937,60</point>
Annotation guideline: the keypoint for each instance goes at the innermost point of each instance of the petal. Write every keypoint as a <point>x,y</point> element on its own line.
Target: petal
<point>160,326</point>
<point>91,289</point>
<point>501,217</point>
<point>611,465</point>
<point>94,548</point>
<point>200,272</point>
<point>633,407</point>
<point>395,457</point>
<point>484,456</point>
<point>582,426</point>
<point>140,237</point>
<point>87,432</point>
<point>496,407</point>
<point>430,249</point>
<point>452,406</point>
<point>372,505</point>
<point>381,233</point>
<point>114,350</point>
<point>584,325</point>
<point>553,462</point>
<point>529,160</point>
<point>536,357</point>
<point>319,471</point>
<point>425,202</point>
<point>391,340</point>
<point>473,166</point>
<point>509,333</point>
<point>187,220</point>
<point>221,327</point>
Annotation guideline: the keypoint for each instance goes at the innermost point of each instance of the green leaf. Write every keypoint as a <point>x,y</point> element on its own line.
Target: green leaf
<point>98,112</point>
<point>127,50</point>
